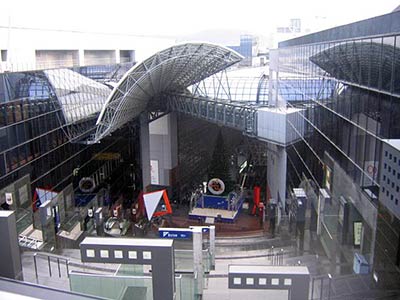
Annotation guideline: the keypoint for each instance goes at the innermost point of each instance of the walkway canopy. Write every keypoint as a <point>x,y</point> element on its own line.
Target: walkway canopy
<point>172,69</point>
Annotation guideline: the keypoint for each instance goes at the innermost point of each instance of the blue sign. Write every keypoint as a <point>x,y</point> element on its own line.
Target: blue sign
<point>204,229</point>
<point>172,234</point>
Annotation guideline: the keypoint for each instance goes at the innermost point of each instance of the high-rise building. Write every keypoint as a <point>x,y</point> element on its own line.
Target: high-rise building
<point>248,48</point>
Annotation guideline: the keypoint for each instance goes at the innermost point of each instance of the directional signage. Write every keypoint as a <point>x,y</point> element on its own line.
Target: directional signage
<point>174,234</point>
<point>204,229</point>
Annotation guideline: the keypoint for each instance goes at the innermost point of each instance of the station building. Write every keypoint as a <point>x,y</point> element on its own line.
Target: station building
<point>346,82</point>
<point>335,93</point>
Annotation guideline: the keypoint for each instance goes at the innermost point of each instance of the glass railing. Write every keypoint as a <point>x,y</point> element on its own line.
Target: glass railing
<point>24,219</point>
<point>112,287</point>
<point>184,260</point>
<point>69,224</point>
<point>120,287</point>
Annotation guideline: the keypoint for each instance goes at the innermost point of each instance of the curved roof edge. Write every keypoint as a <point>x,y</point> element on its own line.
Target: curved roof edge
<point>171,69</point>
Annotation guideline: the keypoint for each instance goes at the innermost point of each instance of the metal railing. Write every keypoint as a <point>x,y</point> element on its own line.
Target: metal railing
<point>50,259</point>
<point>275,256</point>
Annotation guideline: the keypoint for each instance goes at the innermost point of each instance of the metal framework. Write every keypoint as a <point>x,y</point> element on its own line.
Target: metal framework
<point>172,69</point>
<point>242,117</point>
<point>367,63</point>
<point>229,86</point>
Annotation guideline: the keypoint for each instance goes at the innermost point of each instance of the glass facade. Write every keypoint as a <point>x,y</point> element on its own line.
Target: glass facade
<point>34,136</point>
<point>348,90</point>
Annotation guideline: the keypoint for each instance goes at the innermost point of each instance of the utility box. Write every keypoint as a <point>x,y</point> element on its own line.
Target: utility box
<point>360,264</point>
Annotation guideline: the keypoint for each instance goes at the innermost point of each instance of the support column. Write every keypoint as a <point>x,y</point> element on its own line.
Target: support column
<point>277,166</point>
<point>145,150</point>
<point>163,149</point>
<point>212,246</point>
<point>10,262</point>
<point>198,261</point>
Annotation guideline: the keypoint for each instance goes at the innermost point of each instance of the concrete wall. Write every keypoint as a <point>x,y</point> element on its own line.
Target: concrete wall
<point>22,43</point>
<point>10,262</point>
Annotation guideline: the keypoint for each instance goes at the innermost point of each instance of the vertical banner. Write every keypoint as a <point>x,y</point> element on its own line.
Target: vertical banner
<point>154,174</point>
<point>357,232</point>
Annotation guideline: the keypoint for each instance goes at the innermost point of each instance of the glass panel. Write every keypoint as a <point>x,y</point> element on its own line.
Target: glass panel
<point>387,63</point>
<point>396,79</point>
<point>112,287</point>
<point>376,62</point>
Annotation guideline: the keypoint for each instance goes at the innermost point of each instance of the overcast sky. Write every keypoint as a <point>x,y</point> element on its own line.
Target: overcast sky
<point>180,17</point>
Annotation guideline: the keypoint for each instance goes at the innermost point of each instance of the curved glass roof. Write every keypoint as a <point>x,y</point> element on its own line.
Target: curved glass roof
<point>80,98</point>
<point>367,63</point>
<point>172,69</point>
<point>241,85</point>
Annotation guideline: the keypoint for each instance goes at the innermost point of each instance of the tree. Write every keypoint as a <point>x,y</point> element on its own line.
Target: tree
<point>219,166</point>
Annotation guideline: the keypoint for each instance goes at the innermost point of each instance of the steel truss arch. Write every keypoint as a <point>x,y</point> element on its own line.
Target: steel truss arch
<point>170,70</point>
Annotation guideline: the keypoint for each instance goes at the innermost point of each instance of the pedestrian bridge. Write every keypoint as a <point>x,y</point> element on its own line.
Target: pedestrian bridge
<point>197,79</point>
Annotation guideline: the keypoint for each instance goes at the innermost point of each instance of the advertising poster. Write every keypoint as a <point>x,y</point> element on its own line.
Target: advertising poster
<point>357,227</point>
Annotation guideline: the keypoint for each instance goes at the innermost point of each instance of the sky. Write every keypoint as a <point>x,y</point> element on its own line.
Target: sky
<point>182,17</point>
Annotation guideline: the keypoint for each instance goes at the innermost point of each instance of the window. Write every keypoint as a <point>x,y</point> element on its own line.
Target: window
<point>386,154</point>
<point>132,254</point>
<point>104,253</point>
<point>287,281</point>
<point>384,165</point>
<point>384,177</point>
<point>390,156</point>
<point>90,252</point>
<point>146,255</point>
<point>262,281</point>
<point>275,281</point>
<point>3,55</point>
<point>396,201</point>
<point>118,254</point>
<point>237,280</point>
<point>249,281</point>
<point>391,197</point>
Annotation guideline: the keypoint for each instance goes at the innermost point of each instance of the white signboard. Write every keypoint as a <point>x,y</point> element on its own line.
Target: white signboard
<point>154,174</point>
<point>9,198</point>
<point>216,186</point>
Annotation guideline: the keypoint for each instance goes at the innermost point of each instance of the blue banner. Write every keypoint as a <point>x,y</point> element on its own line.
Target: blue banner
<point>172,234</point>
